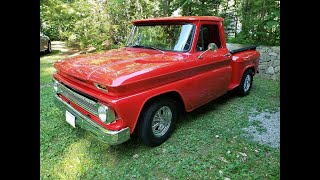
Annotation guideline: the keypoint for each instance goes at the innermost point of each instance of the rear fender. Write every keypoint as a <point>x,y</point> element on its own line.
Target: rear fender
<point>240,63</point>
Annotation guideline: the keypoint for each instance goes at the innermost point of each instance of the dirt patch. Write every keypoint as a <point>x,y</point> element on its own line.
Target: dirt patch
<point>63,48</point>
<point>265,128</point>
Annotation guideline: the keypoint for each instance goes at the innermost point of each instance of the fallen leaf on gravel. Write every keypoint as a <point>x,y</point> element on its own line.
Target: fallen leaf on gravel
<point>135,156</point>
<point>243,154</point>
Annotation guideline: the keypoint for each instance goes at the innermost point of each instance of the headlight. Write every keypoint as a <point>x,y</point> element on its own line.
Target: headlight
<point>102,113</point>
<point>55,86</point>
<point>106,114</point>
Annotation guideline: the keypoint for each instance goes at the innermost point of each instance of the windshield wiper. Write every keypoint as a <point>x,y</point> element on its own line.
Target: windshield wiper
<point>155,49</point>
<point>147,47</point>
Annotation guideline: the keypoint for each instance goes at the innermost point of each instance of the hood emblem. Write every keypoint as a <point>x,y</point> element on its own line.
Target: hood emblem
<point>101,87</point>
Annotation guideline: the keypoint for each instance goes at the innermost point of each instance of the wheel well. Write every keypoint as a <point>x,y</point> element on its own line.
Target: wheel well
<point>250,68</point>
<point>172,95</point>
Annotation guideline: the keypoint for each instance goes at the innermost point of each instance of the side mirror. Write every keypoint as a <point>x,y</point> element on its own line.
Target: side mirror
<point>212,47</point>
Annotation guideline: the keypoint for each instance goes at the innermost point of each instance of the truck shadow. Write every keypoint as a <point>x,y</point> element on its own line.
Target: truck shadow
<point>188,117</point>
<point>136,146</point>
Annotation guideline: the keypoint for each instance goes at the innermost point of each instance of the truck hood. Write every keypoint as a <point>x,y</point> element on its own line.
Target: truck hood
<point>116,67</point>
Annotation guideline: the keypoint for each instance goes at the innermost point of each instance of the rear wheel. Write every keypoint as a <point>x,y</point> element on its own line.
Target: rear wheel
<point>157,122</point>
<point>49,50</point>
<point>246,83</point>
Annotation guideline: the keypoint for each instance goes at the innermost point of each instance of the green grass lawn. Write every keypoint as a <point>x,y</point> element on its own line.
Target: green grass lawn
<point>209,142</point>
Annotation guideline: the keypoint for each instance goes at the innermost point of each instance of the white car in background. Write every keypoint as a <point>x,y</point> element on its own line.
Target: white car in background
<point>45,43</point>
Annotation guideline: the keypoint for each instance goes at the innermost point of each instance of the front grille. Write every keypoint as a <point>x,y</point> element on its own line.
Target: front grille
<point>82,101</point>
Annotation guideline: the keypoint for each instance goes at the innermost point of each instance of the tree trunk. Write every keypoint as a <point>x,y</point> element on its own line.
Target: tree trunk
<point>166,7</point>
<point>235,19</point>
<point>244,14</point>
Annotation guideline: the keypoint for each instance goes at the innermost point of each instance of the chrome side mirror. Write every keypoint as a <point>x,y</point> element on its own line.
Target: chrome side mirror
<point>212,46</point>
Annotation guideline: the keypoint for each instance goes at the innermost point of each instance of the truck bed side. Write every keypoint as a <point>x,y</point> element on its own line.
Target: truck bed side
<point>236,48</point>
<point>241,61</point>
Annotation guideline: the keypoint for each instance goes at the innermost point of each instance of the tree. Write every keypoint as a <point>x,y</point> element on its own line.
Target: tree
<point>105,24</point>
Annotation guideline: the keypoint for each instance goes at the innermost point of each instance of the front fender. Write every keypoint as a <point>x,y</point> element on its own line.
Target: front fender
<point>130,107</point>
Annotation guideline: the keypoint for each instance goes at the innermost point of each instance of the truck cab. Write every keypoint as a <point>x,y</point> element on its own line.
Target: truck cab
<point>169,65</point>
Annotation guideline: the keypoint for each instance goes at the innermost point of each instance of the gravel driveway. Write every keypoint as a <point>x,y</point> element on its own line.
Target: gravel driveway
<point>265,128</point>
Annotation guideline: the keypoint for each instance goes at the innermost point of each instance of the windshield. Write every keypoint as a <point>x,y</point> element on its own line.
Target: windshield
<point>167,37</point>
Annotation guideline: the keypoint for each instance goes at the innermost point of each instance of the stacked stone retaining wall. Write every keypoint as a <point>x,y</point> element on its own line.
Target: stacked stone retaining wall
<point>269,63</point>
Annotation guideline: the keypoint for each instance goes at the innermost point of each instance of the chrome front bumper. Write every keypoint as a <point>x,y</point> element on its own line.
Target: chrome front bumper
<point>107,136</point>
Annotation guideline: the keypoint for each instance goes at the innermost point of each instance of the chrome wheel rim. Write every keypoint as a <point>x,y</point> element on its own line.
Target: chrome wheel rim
<point>161,121</point>
<point>247,83</point>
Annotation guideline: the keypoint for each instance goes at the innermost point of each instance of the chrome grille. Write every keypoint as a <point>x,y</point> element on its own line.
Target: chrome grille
<point>87,104</point>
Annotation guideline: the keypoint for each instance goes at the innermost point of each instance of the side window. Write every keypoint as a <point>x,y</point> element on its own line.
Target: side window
<point>202,38</point>
<point>208,34</point>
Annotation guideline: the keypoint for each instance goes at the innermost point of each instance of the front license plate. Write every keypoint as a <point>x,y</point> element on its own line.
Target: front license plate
<point>71,119</point>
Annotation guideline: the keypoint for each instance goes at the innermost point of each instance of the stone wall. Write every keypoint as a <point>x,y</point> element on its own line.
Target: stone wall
<point>269,66</point>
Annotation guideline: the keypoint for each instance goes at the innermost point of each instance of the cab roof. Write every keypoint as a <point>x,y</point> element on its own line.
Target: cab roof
<point>178,19</point>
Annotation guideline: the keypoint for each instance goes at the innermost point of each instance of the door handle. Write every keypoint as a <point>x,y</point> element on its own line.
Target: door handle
<point>227,55</point>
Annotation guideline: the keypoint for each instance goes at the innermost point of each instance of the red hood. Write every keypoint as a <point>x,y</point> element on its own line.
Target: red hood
<point>115,67</point>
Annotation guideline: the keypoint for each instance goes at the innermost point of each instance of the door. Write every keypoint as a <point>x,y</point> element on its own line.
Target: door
<point>213,69</point>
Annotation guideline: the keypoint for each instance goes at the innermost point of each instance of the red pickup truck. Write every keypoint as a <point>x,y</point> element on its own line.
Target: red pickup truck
<point>169,65</point>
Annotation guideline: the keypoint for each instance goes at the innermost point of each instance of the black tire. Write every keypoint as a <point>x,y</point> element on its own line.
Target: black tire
<point>144,127</point>
<point>49,50</point>
<point>242,89</point>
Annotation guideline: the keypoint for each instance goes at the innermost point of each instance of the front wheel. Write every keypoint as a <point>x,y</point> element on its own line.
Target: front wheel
<point>49,50</point>
<point>246,83</point>
<point>157,122</point>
